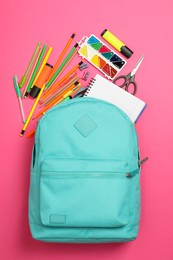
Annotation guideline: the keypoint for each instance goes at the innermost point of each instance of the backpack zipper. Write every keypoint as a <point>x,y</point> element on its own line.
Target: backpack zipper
<point>131,174</point>
<point>86,175</point>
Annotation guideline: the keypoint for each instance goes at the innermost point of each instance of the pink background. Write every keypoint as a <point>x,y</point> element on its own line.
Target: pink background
<point>146,27</point>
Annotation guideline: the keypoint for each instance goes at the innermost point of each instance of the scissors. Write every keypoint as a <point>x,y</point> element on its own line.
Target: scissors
<point>129,79</point>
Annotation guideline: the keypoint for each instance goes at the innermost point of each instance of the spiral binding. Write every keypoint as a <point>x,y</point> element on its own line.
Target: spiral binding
<point>91,83</point>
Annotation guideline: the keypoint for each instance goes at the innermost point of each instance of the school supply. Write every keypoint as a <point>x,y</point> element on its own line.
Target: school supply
<point>41,80</point>
<point>70,94</point>
<point>64,82</point>
<point>116,43</point>
<point>17,88</point>
<point>54,87</point>
<point>61,56</point>
<point>31,133</point>
<point>60,90</point>
<point>103,89</point>
<point>100,56</point>
<point>80,92</point>
<point>83,66</point>
<point>62,66</point>
<point>32,111</point>
<point>23,79</point>
<point>31,72</point>
<point>43,63</point>
<point>85,75</point>
<point>85,174</point>
<point>58,98</point>
<point>36,69</point>
<point>129,80</point>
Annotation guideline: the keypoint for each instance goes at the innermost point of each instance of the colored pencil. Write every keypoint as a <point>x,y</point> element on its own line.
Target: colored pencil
<point>60,90</point>
<point>23,79</point>
<point>74,53</point>
<point>61,56</point>
<point>36,69</point>
<point>59,87</point>
<point>32,70</point>
<point>62,65</point>
<point>53,88</point>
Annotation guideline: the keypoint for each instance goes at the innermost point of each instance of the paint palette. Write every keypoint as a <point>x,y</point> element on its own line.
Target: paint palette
<point>101,56</point>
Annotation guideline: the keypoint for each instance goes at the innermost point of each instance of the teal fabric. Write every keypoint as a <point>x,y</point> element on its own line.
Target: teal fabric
<point>85,175</point>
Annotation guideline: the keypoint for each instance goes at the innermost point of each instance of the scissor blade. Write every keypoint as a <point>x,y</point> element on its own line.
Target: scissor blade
<point>137,65</point>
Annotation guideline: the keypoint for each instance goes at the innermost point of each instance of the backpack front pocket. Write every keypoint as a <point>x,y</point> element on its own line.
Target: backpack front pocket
<point>84,193</point>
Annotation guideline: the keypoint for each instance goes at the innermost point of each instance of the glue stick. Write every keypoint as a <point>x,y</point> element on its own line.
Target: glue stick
<point>42,79</point>
<point>116,43</point>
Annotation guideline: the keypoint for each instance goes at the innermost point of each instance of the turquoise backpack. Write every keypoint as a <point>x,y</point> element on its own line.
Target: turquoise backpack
<point>85,174</point>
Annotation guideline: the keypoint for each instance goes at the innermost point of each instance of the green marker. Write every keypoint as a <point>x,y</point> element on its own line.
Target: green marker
<point>62,66</point>
<point>23,79</point>
<point>35,70</point>
<point>19,97</point>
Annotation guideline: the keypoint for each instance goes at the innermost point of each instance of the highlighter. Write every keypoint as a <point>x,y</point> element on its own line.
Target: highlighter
<point>116,43</point>
<point>42,79</point>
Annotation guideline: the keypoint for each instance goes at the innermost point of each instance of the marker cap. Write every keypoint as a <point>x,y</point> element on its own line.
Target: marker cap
<point>34,91</point>
<point>126,51</point>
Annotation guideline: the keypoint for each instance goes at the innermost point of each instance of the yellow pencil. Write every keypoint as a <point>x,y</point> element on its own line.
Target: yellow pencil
<point>32,111</point>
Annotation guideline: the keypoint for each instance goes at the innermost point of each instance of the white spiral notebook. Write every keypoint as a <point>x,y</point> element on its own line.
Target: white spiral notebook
<point>104,89</point>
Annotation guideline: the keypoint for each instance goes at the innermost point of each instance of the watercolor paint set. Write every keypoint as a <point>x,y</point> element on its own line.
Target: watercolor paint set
<point>101,56</point>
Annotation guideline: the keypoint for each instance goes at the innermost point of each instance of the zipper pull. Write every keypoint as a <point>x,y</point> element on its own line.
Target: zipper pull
<point>131,174</point>
<point>143,161</point>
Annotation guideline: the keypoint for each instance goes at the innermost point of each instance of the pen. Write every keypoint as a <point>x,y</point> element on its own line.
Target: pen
<point>19,97</point>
